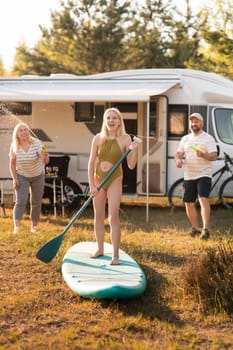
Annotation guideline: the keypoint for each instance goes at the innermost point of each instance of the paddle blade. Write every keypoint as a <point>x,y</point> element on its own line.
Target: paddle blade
<point>50,249</point>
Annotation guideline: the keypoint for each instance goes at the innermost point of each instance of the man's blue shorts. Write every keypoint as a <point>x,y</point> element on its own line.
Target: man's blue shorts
<point>196,188</point>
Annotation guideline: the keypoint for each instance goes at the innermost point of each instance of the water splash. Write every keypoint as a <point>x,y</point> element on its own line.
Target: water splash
<point>8,121</point>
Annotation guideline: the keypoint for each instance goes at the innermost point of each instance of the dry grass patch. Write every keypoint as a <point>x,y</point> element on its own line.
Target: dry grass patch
<point>209,278</point>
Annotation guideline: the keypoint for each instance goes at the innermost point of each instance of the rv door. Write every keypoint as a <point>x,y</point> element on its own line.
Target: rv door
<point>153,167</point>
<point>221,127</point>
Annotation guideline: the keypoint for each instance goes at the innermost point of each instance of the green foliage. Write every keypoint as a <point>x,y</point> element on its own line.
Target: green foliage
<point>185,37</point>
<point>34,62</point>
<point>93,36</point>
<point>147,36</point>
<point>215,54</point>
<point>216,57</point>
<point>86,37</point>
<point>102,35</point>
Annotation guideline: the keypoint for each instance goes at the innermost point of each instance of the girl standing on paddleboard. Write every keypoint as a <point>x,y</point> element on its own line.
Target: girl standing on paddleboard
<point>107,148</point>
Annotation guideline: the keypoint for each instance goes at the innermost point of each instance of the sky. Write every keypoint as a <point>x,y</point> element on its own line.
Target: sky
<point>20,20</point>
<point>19,23</point>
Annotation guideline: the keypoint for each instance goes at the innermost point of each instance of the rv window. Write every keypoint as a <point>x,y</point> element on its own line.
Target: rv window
<point>224,124</point>
<point>126,107</point>
<point>177,120</point>
<point>84,112</point>
<point>152,131</point>
<point>16,108</point>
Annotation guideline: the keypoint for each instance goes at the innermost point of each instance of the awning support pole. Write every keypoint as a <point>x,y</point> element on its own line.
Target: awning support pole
<point>147,158</point>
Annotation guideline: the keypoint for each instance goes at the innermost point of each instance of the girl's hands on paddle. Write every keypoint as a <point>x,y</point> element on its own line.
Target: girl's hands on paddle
<point>135,143</point>
<point>93,190</point>
<point>133,156</point>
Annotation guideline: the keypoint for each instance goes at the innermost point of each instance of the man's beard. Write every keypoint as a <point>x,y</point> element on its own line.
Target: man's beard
<point>195,129</point>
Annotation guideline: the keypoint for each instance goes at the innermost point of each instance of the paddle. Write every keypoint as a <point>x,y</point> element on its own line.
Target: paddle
<point>50,249</point>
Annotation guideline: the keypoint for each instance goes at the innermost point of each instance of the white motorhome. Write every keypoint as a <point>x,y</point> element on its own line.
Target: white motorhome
<point>65,111</point>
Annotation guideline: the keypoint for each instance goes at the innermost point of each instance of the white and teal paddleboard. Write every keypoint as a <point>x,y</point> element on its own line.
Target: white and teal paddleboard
<point>96,278</point>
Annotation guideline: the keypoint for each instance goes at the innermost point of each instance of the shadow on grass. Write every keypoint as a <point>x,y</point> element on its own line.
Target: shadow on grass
<point>63,222</point>
<point>155,256</point>
<point>151,304</point>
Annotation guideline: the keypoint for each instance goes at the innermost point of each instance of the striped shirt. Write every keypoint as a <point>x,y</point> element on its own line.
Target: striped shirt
<point>194,166</point>
<point>28,164</point>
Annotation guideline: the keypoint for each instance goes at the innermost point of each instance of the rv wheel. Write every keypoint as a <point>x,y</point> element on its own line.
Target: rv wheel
<point>71,192</point>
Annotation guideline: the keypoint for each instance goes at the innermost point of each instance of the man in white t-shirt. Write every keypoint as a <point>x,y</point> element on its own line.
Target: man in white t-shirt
<point>196,152</point>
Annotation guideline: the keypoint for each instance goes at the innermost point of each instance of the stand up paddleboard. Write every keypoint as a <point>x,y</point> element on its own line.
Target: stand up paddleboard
<point>96,278</point>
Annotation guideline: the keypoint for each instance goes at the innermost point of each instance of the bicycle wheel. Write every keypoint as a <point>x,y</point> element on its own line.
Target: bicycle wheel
<point>226,193</point>
<point>176,193</point>
<point>71,192</point>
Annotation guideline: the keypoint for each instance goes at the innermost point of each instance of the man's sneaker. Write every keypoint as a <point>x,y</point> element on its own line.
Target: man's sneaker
<point>194,232</point>
<point>34,229</point>
<point>205,234</point>
<point>16,229</point>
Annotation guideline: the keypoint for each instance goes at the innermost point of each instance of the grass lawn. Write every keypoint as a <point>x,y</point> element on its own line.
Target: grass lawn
<point>39,311</point>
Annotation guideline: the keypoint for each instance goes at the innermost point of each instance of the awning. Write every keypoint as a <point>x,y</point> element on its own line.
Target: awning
<point>88,90</point>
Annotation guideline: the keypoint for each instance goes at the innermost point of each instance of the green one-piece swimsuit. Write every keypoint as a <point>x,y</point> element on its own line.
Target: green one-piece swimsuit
<point>109,151</point>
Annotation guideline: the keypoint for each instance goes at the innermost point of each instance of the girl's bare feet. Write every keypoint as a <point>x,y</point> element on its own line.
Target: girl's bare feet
<point>96,254</point>
<point>115,261</point>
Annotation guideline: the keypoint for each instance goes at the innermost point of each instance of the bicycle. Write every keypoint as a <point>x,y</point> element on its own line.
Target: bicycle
<point>225,193</point>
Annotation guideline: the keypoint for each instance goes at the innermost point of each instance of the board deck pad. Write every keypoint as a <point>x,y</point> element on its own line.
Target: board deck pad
<point>96,278</point>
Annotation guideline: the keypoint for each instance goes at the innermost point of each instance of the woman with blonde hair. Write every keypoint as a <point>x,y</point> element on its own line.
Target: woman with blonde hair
<point>27,160</point>
<point>107,148</point>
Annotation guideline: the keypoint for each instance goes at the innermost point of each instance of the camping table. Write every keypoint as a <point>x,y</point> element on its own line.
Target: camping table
<point>54,188</point>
